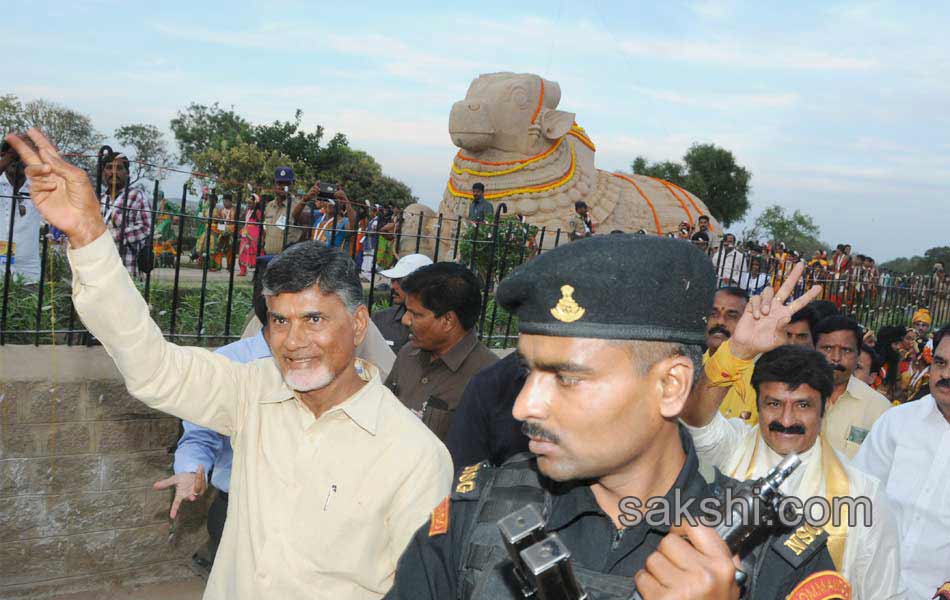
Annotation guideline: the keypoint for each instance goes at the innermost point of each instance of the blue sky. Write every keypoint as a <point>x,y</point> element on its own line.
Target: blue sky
<point>838,109</point>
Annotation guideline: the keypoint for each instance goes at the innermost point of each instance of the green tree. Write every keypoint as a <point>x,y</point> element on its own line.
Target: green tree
<point>11,114</point>
<point>336,162</point>
<point>239,162</point>
<point>709,172</point>
<point>71,131</point>
<point>363,178</point>
<point>200,127</point>
<point>222,143</point>
<point>668,170</point>
<point>797,230</point>
<point>920,264</point>
<point>148,149</point>
<point>289,138</point>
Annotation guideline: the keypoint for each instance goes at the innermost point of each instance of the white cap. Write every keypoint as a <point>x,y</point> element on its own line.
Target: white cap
<point>406,265</point>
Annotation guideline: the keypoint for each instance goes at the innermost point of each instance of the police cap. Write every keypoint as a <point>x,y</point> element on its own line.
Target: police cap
<point>627,287</point>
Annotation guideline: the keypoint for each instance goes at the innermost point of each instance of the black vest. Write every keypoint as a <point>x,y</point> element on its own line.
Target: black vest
<point>486,570</point>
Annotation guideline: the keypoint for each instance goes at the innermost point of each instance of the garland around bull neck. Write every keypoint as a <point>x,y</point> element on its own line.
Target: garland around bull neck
<point>559,158</point>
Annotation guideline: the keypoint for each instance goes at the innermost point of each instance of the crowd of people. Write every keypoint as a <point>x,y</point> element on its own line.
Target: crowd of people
<point>356,457</point>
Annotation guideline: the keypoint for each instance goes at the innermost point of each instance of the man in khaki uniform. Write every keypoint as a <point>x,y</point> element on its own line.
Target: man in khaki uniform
<point>332,475</point>
<point>276,213</point>
<point>580,226</point>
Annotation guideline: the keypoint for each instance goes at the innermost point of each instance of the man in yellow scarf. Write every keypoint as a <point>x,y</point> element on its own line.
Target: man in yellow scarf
<point>792,385</point>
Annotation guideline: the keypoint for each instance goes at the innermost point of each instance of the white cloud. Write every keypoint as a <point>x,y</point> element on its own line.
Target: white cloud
<point>393,55</point>
<point>716,10</point>
<point>730,102</point>
<point>878,178</point>
<point>262,38</point>
<point>380,127</point>
<point>398,58</point>
<point>736,55</point>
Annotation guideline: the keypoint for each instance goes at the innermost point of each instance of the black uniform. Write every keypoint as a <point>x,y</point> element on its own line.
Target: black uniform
<point>483,427</point>
<point>469,561</point>
<point>621,287</point>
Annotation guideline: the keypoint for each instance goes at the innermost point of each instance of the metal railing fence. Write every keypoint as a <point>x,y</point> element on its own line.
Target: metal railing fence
<point>185,265</point>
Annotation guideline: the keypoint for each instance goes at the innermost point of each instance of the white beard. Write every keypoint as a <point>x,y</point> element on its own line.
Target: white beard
<point>308,380</point>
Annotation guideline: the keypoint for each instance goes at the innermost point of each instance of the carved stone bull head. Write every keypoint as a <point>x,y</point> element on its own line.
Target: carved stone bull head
<point>510,112</point>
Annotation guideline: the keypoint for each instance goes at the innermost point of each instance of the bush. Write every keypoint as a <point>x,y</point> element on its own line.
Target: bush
<point>499,327</point>
<point>515,244</point>
<point>189,305</point>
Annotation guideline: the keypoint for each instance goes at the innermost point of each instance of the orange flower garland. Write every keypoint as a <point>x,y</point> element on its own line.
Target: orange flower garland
<point>656,218</point>
<point>670,189</point>
<point>522,190</point>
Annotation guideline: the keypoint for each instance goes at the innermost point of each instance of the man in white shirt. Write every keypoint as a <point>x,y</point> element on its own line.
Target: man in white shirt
<point>332,475</point>
<point>792,385</point>
<point>15,198</point>
<point>753,280</point>
<point>908,449</point>
<point>729,262</point>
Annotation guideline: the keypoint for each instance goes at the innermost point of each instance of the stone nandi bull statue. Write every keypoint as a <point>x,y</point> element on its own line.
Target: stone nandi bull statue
<point>538,161</point>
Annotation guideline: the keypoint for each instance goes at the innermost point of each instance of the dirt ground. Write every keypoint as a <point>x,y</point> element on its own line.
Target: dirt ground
<point>190,589</point>
<point>193,276</point>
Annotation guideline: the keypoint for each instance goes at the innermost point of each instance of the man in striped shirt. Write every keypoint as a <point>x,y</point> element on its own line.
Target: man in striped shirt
<point>126,211</point>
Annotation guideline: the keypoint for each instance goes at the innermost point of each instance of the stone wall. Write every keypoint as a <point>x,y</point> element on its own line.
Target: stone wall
<point>78,457</point>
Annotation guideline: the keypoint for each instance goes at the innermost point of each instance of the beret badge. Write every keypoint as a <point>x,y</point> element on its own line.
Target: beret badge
<point>567,310</point>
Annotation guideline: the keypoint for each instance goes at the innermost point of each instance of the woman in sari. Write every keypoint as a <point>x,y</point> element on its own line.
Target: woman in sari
<point>163,243</point>
<point>250,235</point>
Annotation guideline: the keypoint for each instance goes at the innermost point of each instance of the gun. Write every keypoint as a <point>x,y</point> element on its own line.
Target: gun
<point>738,528</point>
<point>541,562</point>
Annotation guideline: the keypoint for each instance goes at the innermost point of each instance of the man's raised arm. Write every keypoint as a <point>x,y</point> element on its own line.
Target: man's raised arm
<point>760,329</point>
<point>190,383</point>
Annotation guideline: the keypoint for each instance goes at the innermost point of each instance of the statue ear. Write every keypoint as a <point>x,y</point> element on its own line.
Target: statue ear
<point>556,123</point>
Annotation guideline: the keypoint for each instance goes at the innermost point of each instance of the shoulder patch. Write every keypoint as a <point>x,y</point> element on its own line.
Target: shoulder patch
<point>439,522</point>
<point>824,585</point>
<point>466,485</point>
<point>799,545</point>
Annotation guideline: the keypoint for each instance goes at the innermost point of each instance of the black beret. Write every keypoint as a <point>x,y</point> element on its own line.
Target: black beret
<point>626,287</point>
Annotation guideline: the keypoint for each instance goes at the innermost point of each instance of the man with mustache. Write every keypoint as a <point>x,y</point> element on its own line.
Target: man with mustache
<point>793,385</point>
<point>389,321</point>
<point>908,449</point>
<point>728,305</point>
<point>854,406</point>
<point>442,303</point>
<point>331,474</point>
<point>605,386</point>
<point>922,321</point>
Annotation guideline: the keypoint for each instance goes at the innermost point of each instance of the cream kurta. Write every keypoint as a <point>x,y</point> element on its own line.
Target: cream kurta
<point>848,421</point>
<point>871,561</point>
<point>319,508</point>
